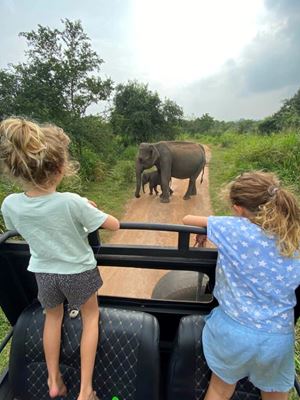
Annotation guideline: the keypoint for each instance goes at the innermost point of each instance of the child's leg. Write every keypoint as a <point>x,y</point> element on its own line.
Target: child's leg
<point>51,341</point>
<point>218,389</point>
<point>88,345</point>
<point>274,395</point>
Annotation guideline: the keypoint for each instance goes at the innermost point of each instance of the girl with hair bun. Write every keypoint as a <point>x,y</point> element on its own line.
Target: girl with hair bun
<point>251,332</point>
<point>56,226</point>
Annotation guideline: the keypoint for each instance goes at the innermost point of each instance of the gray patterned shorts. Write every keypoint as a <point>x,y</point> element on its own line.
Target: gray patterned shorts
<point>53,289</point>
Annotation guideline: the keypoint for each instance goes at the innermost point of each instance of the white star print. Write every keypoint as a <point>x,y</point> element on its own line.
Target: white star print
<point>254,277</point>
<point>262,263</point>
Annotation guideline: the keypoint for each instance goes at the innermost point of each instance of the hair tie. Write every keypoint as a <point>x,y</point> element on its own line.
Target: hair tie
<point>272,190</point>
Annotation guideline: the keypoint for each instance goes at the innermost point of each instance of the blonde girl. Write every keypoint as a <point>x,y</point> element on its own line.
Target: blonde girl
<point>251,332</point>
<point>56,226</point>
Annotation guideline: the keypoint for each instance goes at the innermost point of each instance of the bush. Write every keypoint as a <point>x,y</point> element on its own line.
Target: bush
<point>92,168</point>
<point>279,153</point>
<point>129,153</point>
<point>123,172</point>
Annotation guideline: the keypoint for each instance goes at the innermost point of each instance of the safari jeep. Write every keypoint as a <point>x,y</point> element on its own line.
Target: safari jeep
<point>149,349</point>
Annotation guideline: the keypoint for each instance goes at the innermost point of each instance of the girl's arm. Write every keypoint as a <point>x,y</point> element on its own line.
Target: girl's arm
<point>195,220</point>
<point>111,223</point>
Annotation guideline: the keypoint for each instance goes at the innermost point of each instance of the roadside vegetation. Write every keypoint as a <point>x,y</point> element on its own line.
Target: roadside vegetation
<point>60,80</point>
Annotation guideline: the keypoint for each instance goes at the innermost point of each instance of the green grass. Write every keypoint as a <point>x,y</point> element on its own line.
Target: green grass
<point>110,197</point>
<point>4,328</point>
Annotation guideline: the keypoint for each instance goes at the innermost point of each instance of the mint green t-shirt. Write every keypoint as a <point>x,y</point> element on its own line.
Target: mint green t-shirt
<point>56,227</point>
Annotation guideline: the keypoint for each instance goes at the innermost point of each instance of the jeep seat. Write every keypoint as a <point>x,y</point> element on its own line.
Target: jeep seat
<point>189,375</point>
<point>127,361</point>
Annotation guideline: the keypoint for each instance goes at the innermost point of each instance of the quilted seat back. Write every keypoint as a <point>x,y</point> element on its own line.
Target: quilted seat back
<point>189,374</point>
<point>127,361</point>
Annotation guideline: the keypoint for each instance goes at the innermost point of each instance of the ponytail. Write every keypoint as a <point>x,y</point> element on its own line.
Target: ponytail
<point>280,217</point>
<point>271,206</point>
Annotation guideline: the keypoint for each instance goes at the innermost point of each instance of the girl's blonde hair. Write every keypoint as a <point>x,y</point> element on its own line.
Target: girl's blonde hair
<point>271,206</point>
<point>34,154</point>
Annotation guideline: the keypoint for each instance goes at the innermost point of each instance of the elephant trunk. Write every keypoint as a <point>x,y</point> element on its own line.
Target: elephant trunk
<point>138,171</point>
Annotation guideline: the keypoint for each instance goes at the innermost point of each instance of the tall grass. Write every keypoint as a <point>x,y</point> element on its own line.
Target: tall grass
<point>4,328</point>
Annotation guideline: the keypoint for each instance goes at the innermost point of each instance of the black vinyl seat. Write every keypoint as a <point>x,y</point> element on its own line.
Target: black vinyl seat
<point>189,375</point>
<point>127,361</point>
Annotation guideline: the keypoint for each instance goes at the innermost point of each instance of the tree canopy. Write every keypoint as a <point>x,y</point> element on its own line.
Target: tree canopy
<point>139,114</point>
<point>287,117</point>
<point>58,76</point>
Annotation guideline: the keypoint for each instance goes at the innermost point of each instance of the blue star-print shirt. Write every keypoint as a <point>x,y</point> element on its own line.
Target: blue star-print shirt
<point>255,285</point>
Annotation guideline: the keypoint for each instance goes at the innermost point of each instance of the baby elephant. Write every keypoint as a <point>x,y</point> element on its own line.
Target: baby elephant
<point>153,178</point>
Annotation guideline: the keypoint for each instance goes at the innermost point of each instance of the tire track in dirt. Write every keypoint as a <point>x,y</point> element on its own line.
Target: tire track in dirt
<point>136,282</point>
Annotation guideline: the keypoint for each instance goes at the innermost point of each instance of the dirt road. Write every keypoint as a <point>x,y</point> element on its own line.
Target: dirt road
<point>134,282</point>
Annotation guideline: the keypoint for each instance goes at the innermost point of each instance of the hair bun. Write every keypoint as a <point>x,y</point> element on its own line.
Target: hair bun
<point>27,137</point>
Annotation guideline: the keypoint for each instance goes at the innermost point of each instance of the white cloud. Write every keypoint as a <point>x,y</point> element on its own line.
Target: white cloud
<point>233,59</point>
<point>178,42</point>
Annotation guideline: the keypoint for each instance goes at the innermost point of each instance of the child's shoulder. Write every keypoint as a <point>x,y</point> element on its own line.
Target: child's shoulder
<point>72,198</point>
<point>11,198</point>
<point>227,220</point>
<point>69,195</point>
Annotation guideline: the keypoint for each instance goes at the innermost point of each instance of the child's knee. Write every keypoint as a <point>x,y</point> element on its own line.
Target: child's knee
<point>56,313</point>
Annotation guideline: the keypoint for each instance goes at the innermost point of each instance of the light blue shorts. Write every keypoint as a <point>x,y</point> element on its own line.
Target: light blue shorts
<point>234,351</point>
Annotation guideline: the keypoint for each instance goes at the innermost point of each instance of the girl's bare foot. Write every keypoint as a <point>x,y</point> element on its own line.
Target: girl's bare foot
<point>92,396</point>
<point>57,388</point>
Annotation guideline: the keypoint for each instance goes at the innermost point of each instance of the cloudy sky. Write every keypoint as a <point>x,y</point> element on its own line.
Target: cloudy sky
<point>230,58</point>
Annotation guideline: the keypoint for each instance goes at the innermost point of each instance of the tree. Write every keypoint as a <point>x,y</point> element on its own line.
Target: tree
<point>199,125</point>
<point>268,125</point>
<point>172,112</point>
<point>8,90</point>
<point>139,115</point>
<point>205,123</point>
<point>287,117</point>
<point>246,126</point>
<point>58,77</point>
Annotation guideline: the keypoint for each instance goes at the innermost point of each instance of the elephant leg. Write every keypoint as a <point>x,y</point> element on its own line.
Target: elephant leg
<point>155,189</point>
<point>191,190</point>
<point>151,190</point>
<point>187,195</point>
<point>165,176</point>
<point>194,190</point>
<point>165,196</point>
<point>164,199</point>
<point>171,192</point>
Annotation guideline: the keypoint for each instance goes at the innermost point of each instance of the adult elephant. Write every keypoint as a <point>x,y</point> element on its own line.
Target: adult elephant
<point>176,159</point>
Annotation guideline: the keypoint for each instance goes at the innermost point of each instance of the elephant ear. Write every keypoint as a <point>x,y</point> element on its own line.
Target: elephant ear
<point>154,153</point>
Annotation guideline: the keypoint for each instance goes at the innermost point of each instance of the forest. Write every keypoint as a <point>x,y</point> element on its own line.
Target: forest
<point>61,79</point>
